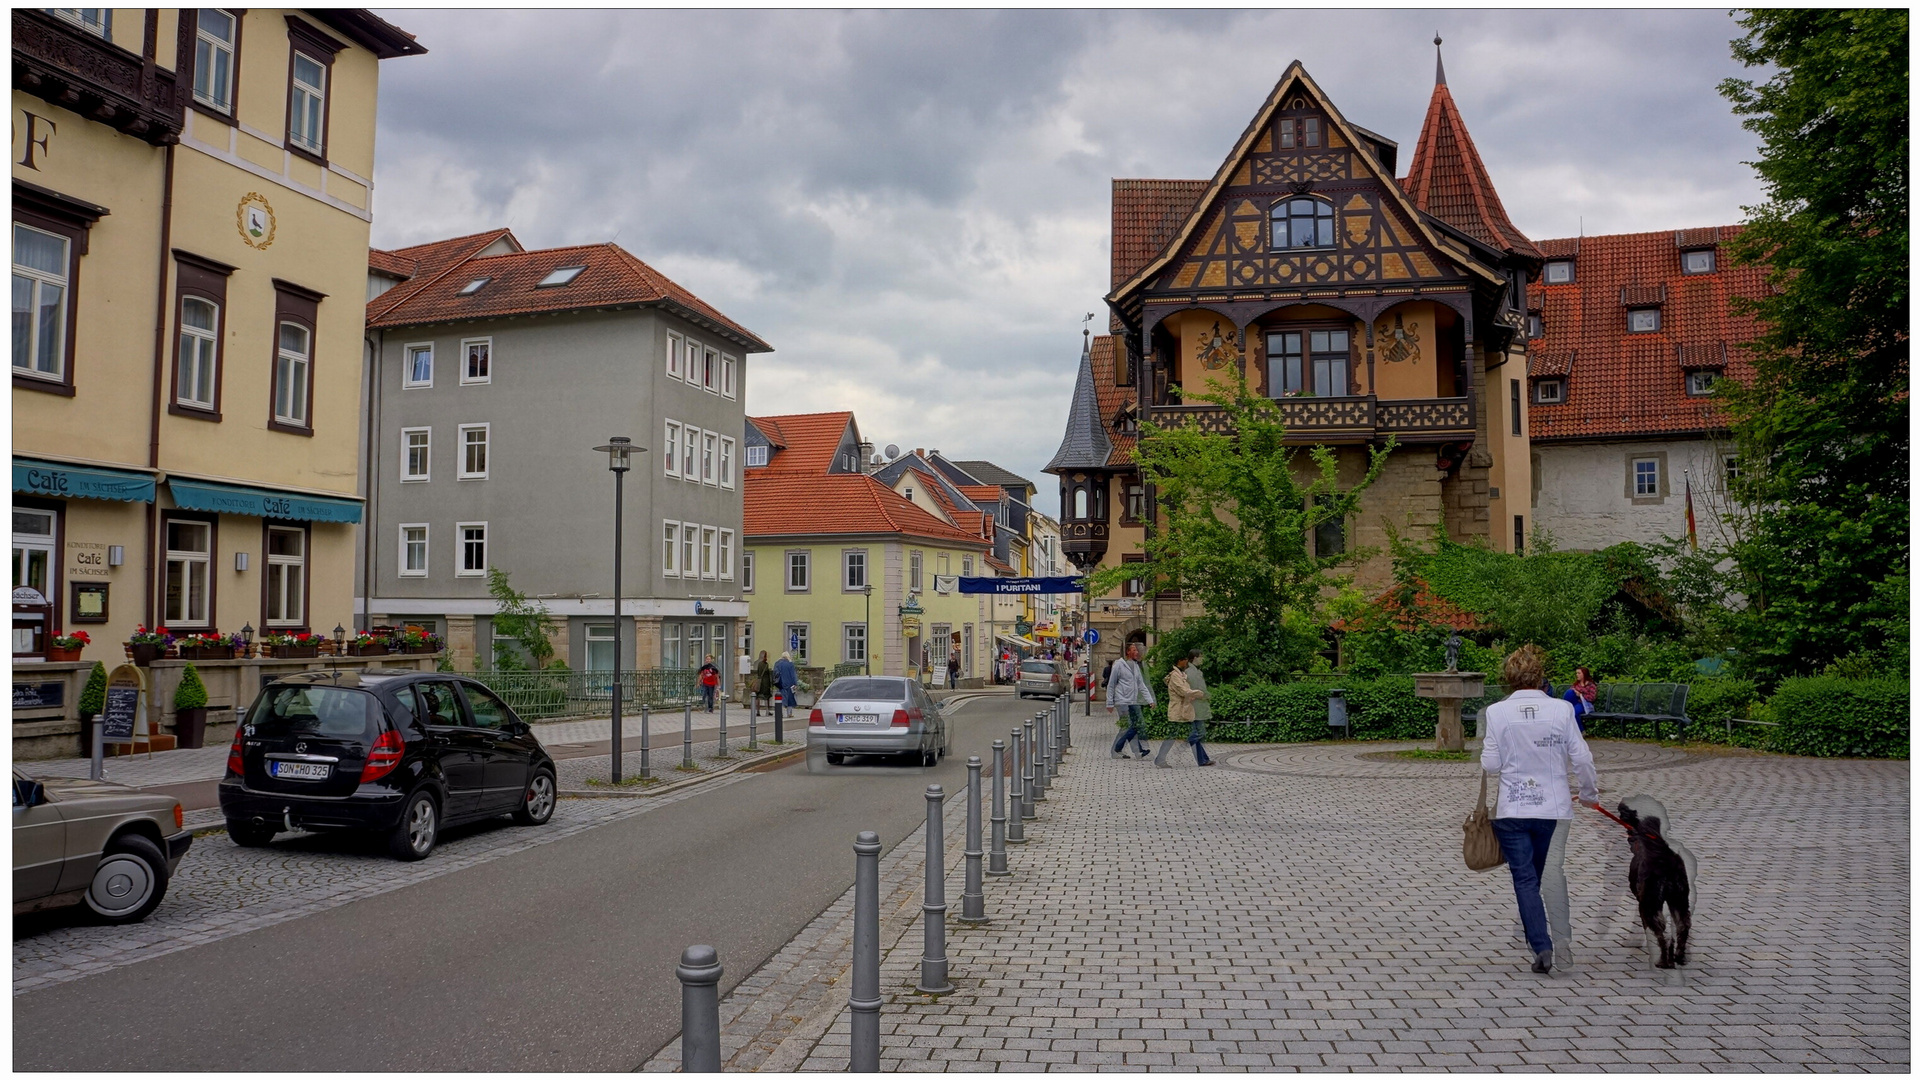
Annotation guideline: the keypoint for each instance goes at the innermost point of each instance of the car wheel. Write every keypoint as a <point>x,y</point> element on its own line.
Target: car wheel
<point>413,838</point>
<point>928,757</point>
<point>836,759</point>
<point>247,835</point>
<point>537,807</point>
<point>129,882</point>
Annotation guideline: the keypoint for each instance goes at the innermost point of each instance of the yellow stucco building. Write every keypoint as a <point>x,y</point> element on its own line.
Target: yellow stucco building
<point>192,199</point>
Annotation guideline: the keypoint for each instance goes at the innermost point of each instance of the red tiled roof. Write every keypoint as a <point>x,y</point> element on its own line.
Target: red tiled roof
<point>984,494</point>
<point>1447,179</point>
<point>1626,384</point>
<point>431,261</point>
<point>1146,215</point>
<point>807,441</point>
<point>1428,610</point>
<point>794,503</point>
<point>1004,568</point>
<point>390,264</point>
<point>612,277</point>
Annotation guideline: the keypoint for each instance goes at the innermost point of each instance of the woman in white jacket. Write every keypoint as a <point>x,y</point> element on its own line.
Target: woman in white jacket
<point>1533,742</point>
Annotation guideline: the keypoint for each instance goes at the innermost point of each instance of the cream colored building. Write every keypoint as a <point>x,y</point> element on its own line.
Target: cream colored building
<point>192,198</point>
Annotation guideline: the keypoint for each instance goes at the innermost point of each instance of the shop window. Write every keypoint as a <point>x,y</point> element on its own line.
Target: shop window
<point>670,646</point>
<point>286,581</point>
<point>36,536</point>
<point>187,589</point>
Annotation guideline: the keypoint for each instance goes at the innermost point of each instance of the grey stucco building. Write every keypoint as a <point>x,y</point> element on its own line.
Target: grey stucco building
<point>494,372</point>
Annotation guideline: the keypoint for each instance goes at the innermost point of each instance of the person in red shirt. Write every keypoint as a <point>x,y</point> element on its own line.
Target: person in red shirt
<point>709,682</point>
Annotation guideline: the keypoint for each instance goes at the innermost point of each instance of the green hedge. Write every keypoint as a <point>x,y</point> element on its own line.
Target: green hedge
<point>1381,708</point>
<point>1832,716</point>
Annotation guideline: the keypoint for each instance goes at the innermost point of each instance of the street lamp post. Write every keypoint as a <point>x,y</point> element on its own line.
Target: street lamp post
<point>619,451</point>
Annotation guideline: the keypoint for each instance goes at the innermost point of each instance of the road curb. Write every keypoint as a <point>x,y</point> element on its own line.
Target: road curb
<point>677,785</point>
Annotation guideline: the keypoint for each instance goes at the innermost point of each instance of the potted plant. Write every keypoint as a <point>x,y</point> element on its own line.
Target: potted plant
<point>367,643</point>
<point>415,640</point>
<point>190,709</point>
<point>66,647</point>
<point>291,646</point>
<point>206,647</point>
<point>93,702</point>
<point>146,646</point>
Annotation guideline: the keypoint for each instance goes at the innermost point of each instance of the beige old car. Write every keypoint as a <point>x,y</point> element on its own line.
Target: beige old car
<point>86,842</point>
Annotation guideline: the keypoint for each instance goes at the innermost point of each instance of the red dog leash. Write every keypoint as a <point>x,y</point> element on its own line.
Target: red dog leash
<point>1610,816</point>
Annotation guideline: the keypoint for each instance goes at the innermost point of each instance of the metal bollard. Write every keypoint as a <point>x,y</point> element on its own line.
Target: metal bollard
<point>865,1049</point>
<point>1038,790</point>
<point>1026,776</point>
<point>646,743</point>
<point>779,720</point>
<point>699,973</point>
<point>686,738</point>
<point>753,727</point>
<point>973,902</point>
<point>723,730</point>
<point>933,913</point>
<point>1052,756</point>
<point>1016,830</point>
<point>997,857</point>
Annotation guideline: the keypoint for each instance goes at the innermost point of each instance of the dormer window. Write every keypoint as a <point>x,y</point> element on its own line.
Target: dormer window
<point>756,457</point>
<point>1559,272</point>
<point>474,286</point>
<point>1549,391</point>
<point>1697,262</point>
<point>1536,328</point>
<point>1700,383</point>
<point>562,276</point>
<point>1302,222</point>
<point>1643,320</point>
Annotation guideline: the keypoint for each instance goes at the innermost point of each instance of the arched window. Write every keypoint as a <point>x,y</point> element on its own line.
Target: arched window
<point>1080,504</point>
<point>1302,222</point>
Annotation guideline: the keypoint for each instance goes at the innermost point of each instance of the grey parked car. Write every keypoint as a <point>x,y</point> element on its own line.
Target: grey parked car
<point>88,842</point>
<point>876,714</point>
<point>1037,677</point>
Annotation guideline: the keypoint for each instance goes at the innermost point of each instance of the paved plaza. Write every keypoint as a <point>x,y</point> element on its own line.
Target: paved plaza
<point>1306,907</point>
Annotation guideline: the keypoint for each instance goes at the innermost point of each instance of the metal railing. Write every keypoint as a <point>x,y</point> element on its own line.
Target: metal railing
<point>560,693</point>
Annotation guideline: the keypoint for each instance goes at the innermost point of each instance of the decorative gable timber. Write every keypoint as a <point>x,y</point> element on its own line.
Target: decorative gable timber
<point>1219,227</point>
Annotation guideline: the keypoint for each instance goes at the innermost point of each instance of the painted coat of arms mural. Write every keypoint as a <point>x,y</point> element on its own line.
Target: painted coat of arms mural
<point>1400,344</point>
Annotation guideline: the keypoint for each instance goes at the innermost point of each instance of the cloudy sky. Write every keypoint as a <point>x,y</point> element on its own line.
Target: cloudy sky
<point>911,207</point>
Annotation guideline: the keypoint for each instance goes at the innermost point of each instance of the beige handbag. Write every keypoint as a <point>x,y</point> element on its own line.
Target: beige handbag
<point>1481,847</point>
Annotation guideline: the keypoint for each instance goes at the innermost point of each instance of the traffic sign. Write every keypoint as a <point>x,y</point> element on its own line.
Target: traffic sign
<point>1091,637</point>
<point>793,642</point>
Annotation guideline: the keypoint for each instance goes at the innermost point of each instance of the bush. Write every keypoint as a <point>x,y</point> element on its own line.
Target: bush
<point>1833,716</point>
<point>191,693</point>
<point>1383,708</point>
<point>93,697</point>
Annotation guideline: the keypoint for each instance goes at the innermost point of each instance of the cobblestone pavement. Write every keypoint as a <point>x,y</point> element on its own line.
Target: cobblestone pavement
<point>222,889</point>
<point>1305,907</point>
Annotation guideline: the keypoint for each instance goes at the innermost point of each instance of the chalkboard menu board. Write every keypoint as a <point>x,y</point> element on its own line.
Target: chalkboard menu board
<point>39,695</point>
<point>116,724</point>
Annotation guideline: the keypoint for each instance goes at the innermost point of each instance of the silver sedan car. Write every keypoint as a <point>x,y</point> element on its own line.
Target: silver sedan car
<point>876,714</point>
<point>1038,677</point>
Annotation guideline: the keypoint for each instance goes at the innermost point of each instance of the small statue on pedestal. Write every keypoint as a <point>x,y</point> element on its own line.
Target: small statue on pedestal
<point>1453,653</point>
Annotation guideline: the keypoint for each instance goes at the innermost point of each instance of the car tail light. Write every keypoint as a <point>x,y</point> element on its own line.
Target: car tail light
<point>234,765</point>
<point>816,719</point>
<point>384,757</point>
<point>900,718</point>
<point>179,817</point>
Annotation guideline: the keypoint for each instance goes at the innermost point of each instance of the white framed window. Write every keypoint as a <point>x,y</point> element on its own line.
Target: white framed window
<point>966,565</point>
<point>213,59</point>
<point>853,643</point>
<point>728,365</point>
<point>97,21</point>
<point>419,366</point>
<point>709,539</point>
<point>413,550</point>
<point>1700,383</point>
<point>35,554</point>
<point>473,451</point>
<point>689,549</point>
<point>726,462</point>
<point>710,371</point>
<point>746,571</point>
<point>676,351</point>
<point>1559,272</point>
<point>416,454</point>
<point>1643,320</point>
<point>187,599</point>
<point>1646,478</point>
<point>1549,392</point>
<point>690,452</point>
<point>39,303</point>
<point>293,362</point>
<point>286,576</point>
<point>694,352</point>
<point>756,457</point>
<point>476,361</point>
<point>915,563</point>
<point>307,123</point>
<point>199,345</point>
<point>473,549</point>
<point>709,449</point>
<point>799,571</point>
<point>726,554</point>
<point>854,569</point>
<point>672,444</point>
<point>1697,262</point>
<point>670,548</point>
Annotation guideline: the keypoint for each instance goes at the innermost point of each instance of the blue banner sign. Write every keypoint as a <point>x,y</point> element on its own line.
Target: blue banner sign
<point>253,502</point>
<point>1023,585</point>
<point>72,482</point>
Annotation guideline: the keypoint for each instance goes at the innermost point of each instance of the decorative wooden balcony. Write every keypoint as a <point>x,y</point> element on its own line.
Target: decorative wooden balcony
<point>1084,543</point>
<point>61,63</point>
<point>1343,419</point>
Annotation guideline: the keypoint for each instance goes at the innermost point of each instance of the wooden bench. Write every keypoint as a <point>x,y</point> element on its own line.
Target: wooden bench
<point>1626,703</point>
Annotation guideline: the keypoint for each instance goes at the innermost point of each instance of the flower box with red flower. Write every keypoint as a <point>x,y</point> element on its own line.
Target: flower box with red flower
<point>366,643</point>
<point>206,647</point>
<point>146,646</point>
<point>66,647</point>
<point>290,646</point>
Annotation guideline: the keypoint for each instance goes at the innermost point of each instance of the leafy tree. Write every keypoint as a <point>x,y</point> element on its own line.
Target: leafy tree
<point>1822,430</point>
<point>1235,533</point>
<point>520,625</point>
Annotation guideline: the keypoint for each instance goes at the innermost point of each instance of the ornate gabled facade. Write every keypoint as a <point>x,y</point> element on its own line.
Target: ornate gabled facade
<point>1369,307</point>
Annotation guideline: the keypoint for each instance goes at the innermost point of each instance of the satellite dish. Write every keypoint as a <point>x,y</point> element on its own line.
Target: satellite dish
<point>893,451</point>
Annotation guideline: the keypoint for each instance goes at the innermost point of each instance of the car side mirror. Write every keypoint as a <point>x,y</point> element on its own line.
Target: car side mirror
<point>517,727</point>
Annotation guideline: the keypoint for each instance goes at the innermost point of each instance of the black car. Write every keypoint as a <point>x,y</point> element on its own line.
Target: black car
<point>398,752</point>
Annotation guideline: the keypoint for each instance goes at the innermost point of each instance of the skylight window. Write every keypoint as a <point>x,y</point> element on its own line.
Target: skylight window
<point>562,276</point>
<point>474,286</point>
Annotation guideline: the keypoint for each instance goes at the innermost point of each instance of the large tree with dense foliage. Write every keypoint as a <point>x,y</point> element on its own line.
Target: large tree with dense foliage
<point>1822,429</point>
<point>1235,532</point>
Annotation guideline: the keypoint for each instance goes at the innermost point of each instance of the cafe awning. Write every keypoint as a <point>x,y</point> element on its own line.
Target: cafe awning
<point>80,481</point>
<point>261,502</point>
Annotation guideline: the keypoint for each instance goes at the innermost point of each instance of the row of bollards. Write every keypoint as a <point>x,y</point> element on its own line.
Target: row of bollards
<point>1031,766</point>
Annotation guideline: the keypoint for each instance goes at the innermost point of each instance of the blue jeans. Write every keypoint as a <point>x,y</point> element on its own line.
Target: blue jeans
<point>1524,841</point>
<point>1131,713</point>
<point>706,696</point>
<point>1195,733</point>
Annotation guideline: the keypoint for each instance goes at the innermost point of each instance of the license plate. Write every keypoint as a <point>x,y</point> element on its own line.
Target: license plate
<point>298,770</point>
<point>860,718</point>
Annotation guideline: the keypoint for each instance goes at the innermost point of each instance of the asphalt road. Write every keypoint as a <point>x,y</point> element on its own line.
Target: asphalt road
<point>557,957</point>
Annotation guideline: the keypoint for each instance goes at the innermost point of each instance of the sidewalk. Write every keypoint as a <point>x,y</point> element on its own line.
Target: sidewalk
<point>1305,907</point>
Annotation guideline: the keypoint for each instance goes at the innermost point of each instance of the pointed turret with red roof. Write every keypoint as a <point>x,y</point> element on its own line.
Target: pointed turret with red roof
<point>1447,179</point>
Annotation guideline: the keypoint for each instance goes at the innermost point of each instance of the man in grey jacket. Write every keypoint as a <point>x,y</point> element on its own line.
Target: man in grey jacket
<point>1129,694</point>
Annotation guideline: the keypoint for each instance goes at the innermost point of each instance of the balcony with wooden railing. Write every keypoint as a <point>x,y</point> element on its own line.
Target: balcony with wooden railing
<point>1361,418</point>
<point>76,70</point>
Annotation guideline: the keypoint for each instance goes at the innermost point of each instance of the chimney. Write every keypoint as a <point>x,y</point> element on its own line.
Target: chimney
<point>866,456</point>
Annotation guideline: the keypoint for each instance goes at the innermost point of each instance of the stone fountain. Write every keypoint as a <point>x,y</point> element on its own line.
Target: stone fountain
<point>1450,688</point>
